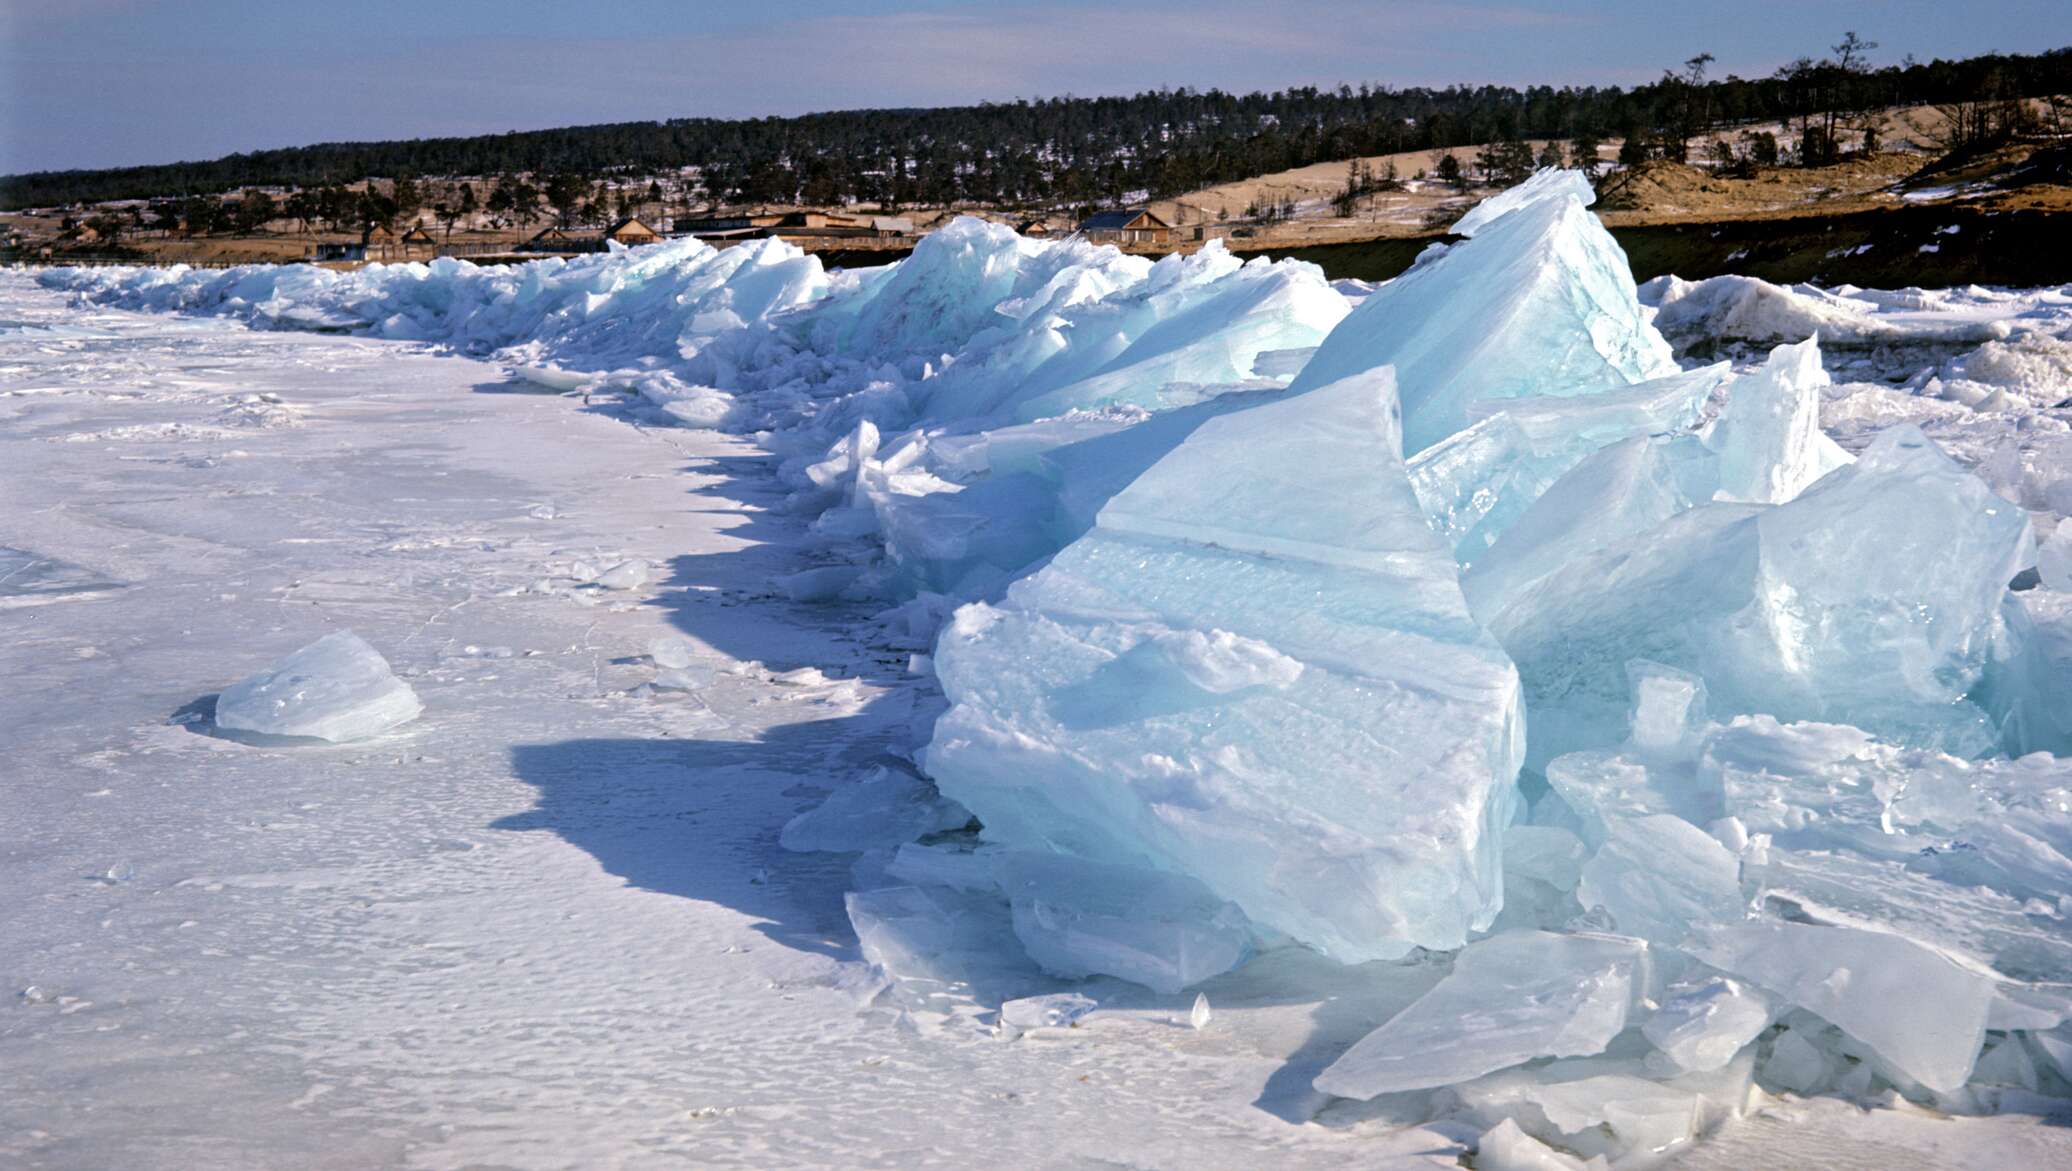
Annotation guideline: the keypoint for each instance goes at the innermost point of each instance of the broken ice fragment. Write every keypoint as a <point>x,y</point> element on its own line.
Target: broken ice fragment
<point>1078,919</point>
<point>1608,1108</point>
<point>880,811</point>
<point>626,575</point>
<point>1510,998</point>
<point>1702,1026</point>
<point>337,688</point>
<point>1660,877</point>
<point>1504,1147</point>
<point>1796,1064</point>
<point>1198,1016</point>
<point>1059,1010</point>
<point>1668,706</point>
<point>1914,1006</point>
<point>671,653</point>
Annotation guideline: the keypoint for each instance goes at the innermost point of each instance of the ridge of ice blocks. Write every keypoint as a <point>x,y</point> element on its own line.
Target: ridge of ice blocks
<point>1136,701</point>
<point>1539,302</point>
<point>1874,596</point>
<point>1510,998</point>
<point>337,688</point>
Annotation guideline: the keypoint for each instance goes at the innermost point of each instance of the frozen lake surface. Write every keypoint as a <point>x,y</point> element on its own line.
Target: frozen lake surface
<point>549,922</point>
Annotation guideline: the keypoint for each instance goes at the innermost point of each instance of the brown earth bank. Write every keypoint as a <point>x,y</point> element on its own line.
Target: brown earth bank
<point>1930,247</point>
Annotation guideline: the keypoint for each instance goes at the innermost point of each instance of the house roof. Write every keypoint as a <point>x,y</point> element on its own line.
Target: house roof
<point>630,222</point>
<point>1125,218</point>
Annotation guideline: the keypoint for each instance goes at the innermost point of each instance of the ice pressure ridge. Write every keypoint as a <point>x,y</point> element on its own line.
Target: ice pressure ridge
<point>1453,628</point>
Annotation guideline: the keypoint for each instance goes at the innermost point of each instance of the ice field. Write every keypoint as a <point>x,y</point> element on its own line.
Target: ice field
<point>1034,704</point>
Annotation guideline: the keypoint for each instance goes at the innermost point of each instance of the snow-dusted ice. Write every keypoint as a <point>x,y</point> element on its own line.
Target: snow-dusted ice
<point>337,688</point>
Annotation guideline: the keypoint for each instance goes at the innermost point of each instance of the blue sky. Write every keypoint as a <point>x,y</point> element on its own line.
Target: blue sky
<point>88,83</point>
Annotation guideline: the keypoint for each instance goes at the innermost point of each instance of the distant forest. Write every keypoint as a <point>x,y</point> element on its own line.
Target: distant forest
<point>1076,151</point>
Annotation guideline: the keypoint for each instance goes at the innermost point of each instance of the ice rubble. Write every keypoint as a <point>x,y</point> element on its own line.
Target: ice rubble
<point>1239,675</point>
<point>337,688</point>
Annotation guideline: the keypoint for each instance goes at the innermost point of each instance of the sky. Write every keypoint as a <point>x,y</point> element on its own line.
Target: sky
<point>95,83</point>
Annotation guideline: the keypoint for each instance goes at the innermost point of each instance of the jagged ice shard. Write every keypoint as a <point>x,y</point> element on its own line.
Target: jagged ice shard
<point>1256,670</point>
<point>1539,302</point>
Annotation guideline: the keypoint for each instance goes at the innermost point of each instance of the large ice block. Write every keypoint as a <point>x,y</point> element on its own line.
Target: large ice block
<point>337,688</point>
<point>1540,302</point>
<point>1873,597</point>
<point>1134,702</point>
<point>1510,998</point>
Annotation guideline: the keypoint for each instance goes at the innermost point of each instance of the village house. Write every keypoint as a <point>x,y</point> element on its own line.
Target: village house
<point>630,232</point>
<point>1127,226</point>
<point>552,239</point>
<point>1033,228</point>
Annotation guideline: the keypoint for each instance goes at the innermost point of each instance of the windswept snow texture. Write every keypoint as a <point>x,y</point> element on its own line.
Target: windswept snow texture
<point>1494,717</point>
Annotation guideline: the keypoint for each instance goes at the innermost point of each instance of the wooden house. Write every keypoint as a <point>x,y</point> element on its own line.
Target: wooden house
<point>1127,226</point>
<point>631,232</point>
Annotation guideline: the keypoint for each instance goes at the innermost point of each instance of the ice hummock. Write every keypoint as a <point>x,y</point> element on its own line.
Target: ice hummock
<point>1540,302</point>
<point>1137,701</point>
<point>337,688</point>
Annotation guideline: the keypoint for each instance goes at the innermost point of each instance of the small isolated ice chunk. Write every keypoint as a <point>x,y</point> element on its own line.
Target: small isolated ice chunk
<point>337,688</point>
<point>1701,1026</point>
<point>1668,706</point>
<point>1198,1016</point>
<point>884,809</point>
<point>553,377</point>
<point>1661,877</point>
<point>626,575</point>
<point>1912,1005</point>
<point>1078,919</point>
<point>671,652</point>
<point>1510,998</point>
<point>1504,1147</point>
<point>1059,1010</point>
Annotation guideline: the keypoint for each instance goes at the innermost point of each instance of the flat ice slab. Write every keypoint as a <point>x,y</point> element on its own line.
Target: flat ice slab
<point>337,688</point>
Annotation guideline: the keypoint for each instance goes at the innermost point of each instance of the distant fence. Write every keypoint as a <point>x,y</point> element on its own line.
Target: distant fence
<point>95,260</point>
